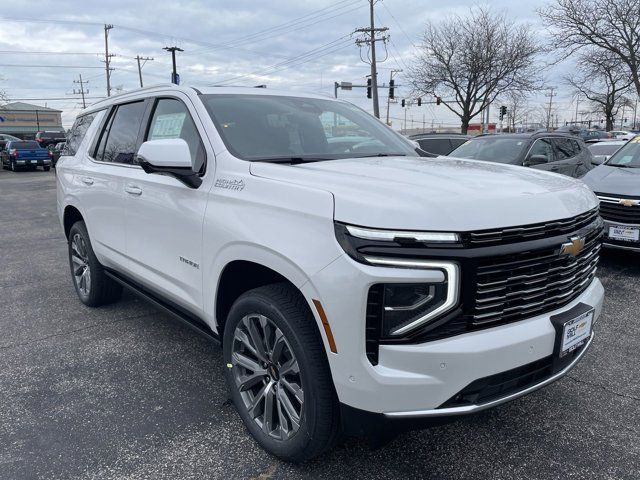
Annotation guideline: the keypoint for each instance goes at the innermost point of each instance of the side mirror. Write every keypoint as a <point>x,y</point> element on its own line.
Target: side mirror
<point>599,159</point>
<point>536,160</point>
<point>170,156</point>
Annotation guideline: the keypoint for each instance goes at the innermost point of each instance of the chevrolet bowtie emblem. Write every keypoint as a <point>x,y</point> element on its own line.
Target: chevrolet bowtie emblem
<point>573,247</point>
<point>628,202</point>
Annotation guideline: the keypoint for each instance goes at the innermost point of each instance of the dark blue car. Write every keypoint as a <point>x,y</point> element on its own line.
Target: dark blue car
<point>25,154</point>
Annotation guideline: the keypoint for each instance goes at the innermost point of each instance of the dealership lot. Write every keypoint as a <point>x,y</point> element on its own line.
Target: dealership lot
<point>125,392</point>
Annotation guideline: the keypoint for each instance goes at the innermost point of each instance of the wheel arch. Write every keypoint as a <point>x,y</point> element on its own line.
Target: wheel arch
<point>70,216</point>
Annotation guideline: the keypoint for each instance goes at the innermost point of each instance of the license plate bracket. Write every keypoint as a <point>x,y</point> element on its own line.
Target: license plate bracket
<point>573,330</point>
<point>626,233</point>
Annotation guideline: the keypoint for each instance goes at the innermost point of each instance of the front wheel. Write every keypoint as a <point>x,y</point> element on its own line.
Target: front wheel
<point>93,286</point>
<point>278,373</point>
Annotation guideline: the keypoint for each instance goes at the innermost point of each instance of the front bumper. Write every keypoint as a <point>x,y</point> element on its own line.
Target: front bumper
<point>413,380</point>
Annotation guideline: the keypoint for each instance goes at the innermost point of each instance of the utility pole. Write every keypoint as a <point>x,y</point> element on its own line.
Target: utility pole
<point>371,42</point>
<point>145,59</point>
<point>550,95</point>
<point>82,90</point>
<point>577,103</point>
<point>107,57</point>
<point>174,76</point>
<point>388,97</point>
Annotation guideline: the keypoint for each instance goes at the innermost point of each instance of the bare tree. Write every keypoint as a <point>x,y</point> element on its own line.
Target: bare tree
<point>612,26</point>
<point>604,81</point>
<point>519,110</point>
<point>470,60</point>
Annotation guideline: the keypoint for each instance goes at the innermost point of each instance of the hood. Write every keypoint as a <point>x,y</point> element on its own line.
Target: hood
<point>447,194</point>
<point>614,180</point>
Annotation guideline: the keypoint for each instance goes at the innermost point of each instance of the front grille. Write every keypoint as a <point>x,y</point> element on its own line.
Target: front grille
<point>612,210</point>
<point>503,384</point>
<point>499,236</point>
<point>516,286</point>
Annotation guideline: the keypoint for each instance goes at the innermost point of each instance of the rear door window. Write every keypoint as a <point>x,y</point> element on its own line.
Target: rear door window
<point>171,119</point>
<point>119,140</point>
<point>565,148</point>
<point>77,133</point>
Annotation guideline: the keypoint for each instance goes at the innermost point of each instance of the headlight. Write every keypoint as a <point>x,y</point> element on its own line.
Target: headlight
<point>407,306</point>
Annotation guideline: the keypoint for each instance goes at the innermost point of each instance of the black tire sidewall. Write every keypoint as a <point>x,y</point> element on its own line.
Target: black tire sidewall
<point>292,448</point>
<point>94,266</point>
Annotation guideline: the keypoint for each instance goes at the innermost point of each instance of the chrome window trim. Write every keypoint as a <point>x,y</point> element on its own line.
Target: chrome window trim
<point>391,235</point>
<point>452,277</point>
<point>467,409</point>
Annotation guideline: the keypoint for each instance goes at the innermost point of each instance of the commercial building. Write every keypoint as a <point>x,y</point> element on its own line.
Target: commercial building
<point>23,120</point>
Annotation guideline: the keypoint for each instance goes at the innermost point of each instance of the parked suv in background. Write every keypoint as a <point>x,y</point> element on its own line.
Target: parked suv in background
<point>354,287</point>
<point>439,143</point>
<point>617,185</point>
<point>559,153</point>
<point>49,138</point>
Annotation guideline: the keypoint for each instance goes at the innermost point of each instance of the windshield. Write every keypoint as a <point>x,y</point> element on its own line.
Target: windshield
<point>627,156</point>
<point>24,145</point>
<point>269,127</point>
<point>603,148</point>
<point>494,149</point>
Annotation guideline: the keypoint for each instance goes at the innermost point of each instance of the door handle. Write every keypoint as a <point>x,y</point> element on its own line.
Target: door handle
<point>133,190</point>
<point>554,168</point>
<point>87,180</point>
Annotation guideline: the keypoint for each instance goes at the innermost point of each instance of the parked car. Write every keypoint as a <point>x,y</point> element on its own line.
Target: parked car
<point>56,151</point>
<point>553,152</point>
<point>603,149</point>
<point>622,134</point>
<point>439,143</point>
<point>353,289</point>
<point>4,138</point>
<point>617,185</point>
<point>25,154</point>
<point>50,138</point>
<point>587,135</point>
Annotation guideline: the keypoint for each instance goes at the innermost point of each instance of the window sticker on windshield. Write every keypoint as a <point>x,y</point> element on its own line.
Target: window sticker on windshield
<point>168,126</point>
<point>636,139</point>
<point>624,160</point>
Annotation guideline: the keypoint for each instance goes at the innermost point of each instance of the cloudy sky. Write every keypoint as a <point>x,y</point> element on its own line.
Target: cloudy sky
<point>302,45</point>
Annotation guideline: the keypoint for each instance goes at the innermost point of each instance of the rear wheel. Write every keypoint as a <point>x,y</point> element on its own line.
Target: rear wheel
<point>278,373</point>
<point>46,169</point>
<point>92,285</point>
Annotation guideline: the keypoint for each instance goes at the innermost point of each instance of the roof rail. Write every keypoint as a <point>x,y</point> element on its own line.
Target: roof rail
<point>143,89</point>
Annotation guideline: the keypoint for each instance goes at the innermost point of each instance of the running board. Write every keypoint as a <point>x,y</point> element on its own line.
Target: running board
<point>171,308</point>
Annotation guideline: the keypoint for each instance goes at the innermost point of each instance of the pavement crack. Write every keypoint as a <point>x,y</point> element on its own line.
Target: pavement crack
<point>603,387</point>
<point>69,332</point>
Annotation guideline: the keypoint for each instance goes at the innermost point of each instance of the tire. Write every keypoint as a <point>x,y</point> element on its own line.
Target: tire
<point>46,169</point>
<point>93,288</point>
<point>281,309</point>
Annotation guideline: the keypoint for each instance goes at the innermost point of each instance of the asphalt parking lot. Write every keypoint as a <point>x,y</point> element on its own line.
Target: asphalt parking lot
<point>126,392</point>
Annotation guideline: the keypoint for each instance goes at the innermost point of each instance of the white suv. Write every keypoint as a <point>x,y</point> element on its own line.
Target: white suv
<point>353,284</point>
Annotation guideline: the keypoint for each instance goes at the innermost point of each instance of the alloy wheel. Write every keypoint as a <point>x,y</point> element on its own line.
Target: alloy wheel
<point>80,264</point>
<point>267,376</point>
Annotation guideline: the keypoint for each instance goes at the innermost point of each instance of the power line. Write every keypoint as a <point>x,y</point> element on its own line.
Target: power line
<point>21,65</point>
<point>29,52</point>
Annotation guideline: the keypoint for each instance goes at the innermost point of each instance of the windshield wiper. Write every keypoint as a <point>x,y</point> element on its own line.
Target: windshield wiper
<point>292,160</point>
<point>382,155</point>
<point>620,165</point>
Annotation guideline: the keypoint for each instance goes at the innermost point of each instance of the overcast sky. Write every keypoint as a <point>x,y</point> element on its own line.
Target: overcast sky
<point>302,45</point>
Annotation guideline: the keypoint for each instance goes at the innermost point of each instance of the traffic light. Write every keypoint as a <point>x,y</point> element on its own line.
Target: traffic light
<point>368,88</point>
<point>403,103</point>
<point>419,101</point>
<point>438,100</point>
<point>391,85</point>
<point>503,111</point>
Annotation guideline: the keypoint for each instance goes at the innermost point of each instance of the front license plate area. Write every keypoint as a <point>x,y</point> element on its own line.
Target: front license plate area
<point>573,330</point>
<point>624,232</point>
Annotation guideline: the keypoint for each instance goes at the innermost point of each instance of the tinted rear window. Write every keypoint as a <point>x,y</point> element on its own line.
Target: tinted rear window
<point>439,146</point>
<point>78,131</point>
<point>24,145</point>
